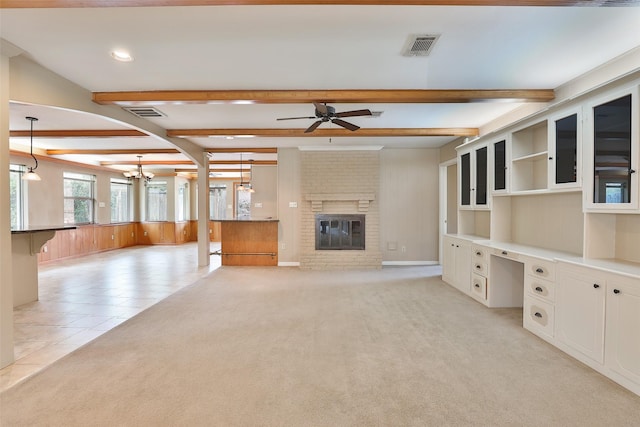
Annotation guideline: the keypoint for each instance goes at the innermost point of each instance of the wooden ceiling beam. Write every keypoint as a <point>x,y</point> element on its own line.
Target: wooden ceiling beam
<point>370,96</point>
<point>59,152</point>
<point>265,150</point>
<point>157,3</point>
<point>233,170</point>
<point>186,162</point>
<point>81,133</point>
<point>362,132</point>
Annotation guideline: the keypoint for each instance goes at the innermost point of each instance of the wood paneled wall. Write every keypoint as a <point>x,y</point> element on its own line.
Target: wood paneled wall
<point>89,239</point>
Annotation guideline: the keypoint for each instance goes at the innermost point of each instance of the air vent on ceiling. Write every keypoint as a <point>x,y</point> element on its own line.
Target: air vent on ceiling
<point>145,112</point>
<point>420,44</point>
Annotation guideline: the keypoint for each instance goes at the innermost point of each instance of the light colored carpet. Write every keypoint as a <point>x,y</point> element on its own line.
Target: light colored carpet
<point>284,347</point>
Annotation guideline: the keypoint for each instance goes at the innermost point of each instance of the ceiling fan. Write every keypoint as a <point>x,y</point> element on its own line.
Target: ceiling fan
<point>326,113</point>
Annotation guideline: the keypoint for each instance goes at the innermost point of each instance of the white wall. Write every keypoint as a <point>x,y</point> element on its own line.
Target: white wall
<point>409,204</point>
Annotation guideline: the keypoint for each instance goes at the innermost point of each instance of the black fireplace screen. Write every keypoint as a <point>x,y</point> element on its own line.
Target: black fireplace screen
<point>339,232</point>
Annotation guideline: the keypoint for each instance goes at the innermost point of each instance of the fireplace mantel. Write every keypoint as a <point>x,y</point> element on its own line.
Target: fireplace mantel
<point>363,199</point>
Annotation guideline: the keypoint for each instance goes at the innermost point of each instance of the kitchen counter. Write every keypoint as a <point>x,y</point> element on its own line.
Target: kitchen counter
<point>25,247</point>
<point>247,241</point>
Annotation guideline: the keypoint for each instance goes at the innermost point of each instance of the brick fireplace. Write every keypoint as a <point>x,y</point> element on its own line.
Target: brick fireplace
<point>338,183</point>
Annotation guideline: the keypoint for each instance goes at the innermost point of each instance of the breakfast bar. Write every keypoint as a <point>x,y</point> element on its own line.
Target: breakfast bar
<point>25,246</point>
<point>249,242</point>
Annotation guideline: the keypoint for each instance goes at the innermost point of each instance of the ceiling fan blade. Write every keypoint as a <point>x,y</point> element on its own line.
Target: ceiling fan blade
<point>345,125</point>
<point>295,118</point>
<point>354,113</point>
<point>313,126</point>
<point>321,108</point>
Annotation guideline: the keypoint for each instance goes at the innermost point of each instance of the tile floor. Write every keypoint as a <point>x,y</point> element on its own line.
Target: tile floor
<point>80,299</point>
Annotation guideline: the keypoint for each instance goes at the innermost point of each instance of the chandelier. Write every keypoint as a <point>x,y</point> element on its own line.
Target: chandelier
<point>138,173</point>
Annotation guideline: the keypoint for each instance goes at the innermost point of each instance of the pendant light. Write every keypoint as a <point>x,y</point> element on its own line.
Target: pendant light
<point>31,175</point>
<point>138,173</point>
<point>241,186</point>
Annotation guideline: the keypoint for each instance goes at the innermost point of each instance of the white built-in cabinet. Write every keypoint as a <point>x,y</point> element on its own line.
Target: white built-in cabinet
<point>474,178</point>
<point>580,309</point>
<point>622,343</point>
<point>457,263</point>
<point>549,220</point>
<point>612,156</point>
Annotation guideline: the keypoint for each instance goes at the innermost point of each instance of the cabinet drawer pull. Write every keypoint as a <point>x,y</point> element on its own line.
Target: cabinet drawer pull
<point>538,289</point>
<point>504,252</point>
<point>478,267</point>
<point>616,291</point>
<point>476,285</point>
<point>596,286</point>
<point>539,270</point>
<point>537,314</point>
<point>478,253</point>
<point>632,171</point>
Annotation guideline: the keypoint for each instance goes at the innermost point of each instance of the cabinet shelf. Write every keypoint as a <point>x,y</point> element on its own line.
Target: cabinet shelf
<point>532,157</point>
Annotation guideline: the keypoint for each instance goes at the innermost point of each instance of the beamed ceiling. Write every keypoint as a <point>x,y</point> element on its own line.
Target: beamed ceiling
<point>220,73</point>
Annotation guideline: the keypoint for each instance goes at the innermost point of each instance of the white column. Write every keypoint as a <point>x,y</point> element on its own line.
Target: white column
<point>6,283</point>
<point>204,247</point>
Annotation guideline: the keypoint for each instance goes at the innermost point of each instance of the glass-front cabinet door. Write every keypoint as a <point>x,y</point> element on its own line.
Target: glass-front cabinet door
<point>474,178</point>
<point>564,150</point>
<point>613,158</point>
<point>500,166</point>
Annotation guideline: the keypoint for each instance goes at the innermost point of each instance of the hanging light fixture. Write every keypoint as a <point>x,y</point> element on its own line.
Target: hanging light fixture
<point>249,187</point>
<point>138,173</point>
<point>241,186</point>
<point>31,175</point>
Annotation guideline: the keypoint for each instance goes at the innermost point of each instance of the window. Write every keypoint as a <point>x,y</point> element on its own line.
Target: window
<point>156,201</point>
<point>182,202</point>
<point>79,194</point>
<point>16,196</point>
<point>218,202</point>
<point>243,202</point>
<point>121,196</point>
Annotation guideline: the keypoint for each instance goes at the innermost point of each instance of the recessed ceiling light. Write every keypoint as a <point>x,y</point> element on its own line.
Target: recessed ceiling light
<point>122,56</point>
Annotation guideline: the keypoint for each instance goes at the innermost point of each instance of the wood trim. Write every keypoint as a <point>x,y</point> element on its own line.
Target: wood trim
<point>372,96</point>
<point>234,170</point>
<point>66,162</point>
<point>187,162</point>
<point>81,133</point>
<point>242,150</point>
<point>91,152</point>
<point>156,3</point>
<point>366,132</point>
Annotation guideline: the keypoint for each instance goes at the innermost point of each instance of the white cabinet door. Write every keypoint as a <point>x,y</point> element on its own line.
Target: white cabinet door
<point>463,267</point>
<point>473,178</point>
<point>456,268</point>
<point>580,308</point>
<point>448,260</point>
<point>623,328</point>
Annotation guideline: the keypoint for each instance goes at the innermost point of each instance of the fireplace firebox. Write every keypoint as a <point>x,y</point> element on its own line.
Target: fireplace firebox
<point>340,232</point>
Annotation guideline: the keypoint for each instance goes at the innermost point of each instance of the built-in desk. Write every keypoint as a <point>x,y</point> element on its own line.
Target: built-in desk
<point>25,247</point>
<point>249,241</point>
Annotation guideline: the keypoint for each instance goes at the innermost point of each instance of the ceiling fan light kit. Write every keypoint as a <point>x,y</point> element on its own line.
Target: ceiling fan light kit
<point>326,113</point>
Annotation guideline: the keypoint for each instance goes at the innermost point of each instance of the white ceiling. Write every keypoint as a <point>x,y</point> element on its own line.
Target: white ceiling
<point>307,47</point>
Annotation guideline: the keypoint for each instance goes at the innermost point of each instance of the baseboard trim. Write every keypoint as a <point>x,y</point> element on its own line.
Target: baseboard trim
<point>288,264</point>
<point>391,263</point>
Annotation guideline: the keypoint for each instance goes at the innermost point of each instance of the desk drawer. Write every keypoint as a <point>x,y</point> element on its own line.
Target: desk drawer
<point>506,254</point>
<point>541,268</point>
<point>538,317</point>
<point>544,289</point>
<point>479,287</point>
<point>480,253</point>
<point>481,268</point>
